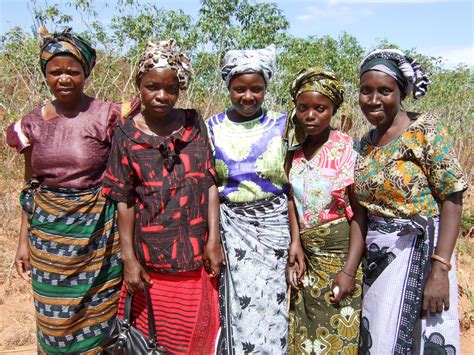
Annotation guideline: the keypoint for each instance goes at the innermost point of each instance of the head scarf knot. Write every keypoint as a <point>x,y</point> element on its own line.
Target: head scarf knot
<point>163,54</point>
<point>245,61</point>
<point>407,72</point>
<point>66,42</point>
<point>311,79</point>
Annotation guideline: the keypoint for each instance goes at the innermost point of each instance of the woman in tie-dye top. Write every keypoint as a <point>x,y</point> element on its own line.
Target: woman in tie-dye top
<point>249,158</point>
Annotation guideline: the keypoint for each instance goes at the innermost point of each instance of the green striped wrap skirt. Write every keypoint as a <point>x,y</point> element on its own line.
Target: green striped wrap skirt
<point>76,267</point>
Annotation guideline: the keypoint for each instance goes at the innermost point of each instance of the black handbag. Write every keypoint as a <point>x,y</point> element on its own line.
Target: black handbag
<point>125,339</point>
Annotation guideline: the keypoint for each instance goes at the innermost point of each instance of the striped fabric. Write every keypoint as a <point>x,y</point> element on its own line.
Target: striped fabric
<point>76,267</point>
<point>185,306</point>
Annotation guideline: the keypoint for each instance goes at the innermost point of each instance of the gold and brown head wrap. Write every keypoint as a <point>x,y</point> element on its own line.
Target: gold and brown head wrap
<point>66,42</point>
<point>163,54</point>
<point>310,79</point>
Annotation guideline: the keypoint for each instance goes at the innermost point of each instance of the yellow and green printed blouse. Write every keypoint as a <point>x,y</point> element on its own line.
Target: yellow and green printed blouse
<point>410,175</point>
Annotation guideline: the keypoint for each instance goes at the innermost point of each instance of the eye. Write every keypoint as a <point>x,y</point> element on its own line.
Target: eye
<point>257,89</point>
<point>321,109</point>
<point>364,90</point>
<point>239,89</point>
<point>386,91</point>
<point>301,107</point>
<point>173,89</point>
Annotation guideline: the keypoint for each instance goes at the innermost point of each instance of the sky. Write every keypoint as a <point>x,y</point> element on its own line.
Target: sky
<point>441,28</point>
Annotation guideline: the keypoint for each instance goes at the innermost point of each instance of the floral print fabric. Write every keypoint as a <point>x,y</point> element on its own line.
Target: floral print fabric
<point>318,326</point>
<point>411,174</point>
<point>249,156</point>
<point>319,185</point>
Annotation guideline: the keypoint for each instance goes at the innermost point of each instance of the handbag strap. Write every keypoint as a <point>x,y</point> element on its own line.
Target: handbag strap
<point>151,316</point>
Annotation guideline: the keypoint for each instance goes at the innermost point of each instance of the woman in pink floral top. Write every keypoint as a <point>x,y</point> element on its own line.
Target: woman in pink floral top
<point>321,172</point>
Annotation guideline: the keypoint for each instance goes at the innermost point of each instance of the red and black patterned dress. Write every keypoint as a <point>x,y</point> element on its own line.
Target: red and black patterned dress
<point>167,179</point>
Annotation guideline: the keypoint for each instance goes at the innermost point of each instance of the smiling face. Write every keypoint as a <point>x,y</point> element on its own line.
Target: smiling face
<point>313,112</point>
<point>379,98</point>
<point>159,89</point>
<point>65,77</point>
<point>247,92</point>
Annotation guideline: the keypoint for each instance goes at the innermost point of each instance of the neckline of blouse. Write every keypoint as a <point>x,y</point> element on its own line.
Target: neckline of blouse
<point>414,123</point>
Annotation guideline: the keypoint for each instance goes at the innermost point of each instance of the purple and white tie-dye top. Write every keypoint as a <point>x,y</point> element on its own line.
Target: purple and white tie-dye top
<point>249,156</point>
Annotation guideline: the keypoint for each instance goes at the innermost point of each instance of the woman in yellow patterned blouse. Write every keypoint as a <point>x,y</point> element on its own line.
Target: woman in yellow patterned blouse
<point>409,181</point>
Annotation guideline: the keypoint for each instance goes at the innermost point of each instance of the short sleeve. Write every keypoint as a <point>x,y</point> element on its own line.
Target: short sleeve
<point>17,136</point>
<point>346,165</point>
<point>443,170</point>
<point>118,182</point>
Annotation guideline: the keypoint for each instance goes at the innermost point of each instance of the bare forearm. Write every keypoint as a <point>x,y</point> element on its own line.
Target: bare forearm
<point>357,236</point>
<point>213,215</point>
<point>126,223</point>
<point>293,218</point>
<point>450,220</point>
<point>24,228</point>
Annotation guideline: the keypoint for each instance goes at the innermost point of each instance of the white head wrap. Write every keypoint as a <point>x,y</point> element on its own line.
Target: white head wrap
<point>249,61</point>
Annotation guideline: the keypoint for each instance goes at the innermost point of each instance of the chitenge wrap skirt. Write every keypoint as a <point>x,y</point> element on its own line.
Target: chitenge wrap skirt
<point>398,263</point>
<point>76,267</point>
<point>318,326</point>
<point>253,289</point>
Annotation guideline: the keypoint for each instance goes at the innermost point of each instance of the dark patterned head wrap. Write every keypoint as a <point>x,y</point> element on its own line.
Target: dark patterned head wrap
<point>66,42</point>
<point>163,54</point>
<point>249,61</point>
<point>310,79</point>
<point>407,72</point>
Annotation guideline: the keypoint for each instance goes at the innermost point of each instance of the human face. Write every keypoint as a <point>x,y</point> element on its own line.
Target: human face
<point>247,92</point>
<point>379,98</point>
<point>313,112</point>
<point>159,89</point>
<point>65,77</point>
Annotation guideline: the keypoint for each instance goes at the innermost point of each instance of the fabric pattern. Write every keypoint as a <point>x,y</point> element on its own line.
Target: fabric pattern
<point>310,79</point>
<point>68,152</point>
<point>411,174</point>
<point>409,74</point>
<point>253,289</point>
<point>185,306</point>
<point>319,185</point>
<point>249,156</point>
<point>76,267</point>
<point>163,54</point>
<point>244,61</point>
<point>398,259</point>
<point>66,42</point>
<point>318,326</point>
<point>167,179</point>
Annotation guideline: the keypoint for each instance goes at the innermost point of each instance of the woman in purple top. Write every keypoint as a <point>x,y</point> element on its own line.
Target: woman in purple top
<point>69,246</point>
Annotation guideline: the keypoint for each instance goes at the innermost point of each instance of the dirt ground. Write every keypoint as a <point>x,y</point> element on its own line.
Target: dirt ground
<point>17,321</point>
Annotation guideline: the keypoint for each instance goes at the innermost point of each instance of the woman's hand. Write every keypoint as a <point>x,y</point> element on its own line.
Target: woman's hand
<point>296,264</point>
<point>436,293</point>
<point>342,286</point>
<point>213,258</point>
<point>22,260</point>
<point>134,276</point>
<point>22,257</point>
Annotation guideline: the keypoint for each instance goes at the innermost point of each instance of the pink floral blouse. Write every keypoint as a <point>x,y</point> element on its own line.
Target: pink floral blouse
<point>319,185</point>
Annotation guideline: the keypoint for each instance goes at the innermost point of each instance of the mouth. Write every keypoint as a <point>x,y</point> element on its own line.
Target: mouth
<point>65,90</point>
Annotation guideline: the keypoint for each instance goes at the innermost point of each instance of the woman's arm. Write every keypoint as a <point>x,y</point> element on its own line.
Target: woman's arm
<point>436,293</point>
<point>22,257</point>
<point>345,279</point>
<point>213,256</point>
<point>134,273</point>
<point>296,264</point>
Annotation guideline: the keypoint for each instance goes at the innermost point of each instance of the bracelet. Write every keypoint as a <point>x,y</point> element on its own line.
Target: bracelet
<point>353,276</point>
<point>441,260</point>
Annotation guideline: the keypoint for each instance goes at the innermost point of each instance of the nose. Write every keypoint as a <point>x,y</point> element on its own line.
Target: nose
<point>64,78</point>
<point>247,96</point>
<point>373,99</point>
<point>311,116</point>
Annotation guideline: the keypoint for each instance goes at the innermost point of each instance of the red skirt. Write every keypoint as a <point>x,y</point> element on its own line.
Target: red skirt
<point>186,310</point>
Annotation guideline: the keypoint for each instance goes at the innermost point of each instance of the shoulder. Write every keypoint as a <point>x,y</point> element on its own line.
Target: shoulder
<point>216,119</point>
<point>277,116</point>
<point>426,128</point>
<point>34,115</point>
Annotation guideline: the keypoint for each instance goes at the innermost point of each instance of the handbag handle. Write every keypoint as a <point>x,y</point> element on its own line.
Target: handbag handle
<point>127,315</point>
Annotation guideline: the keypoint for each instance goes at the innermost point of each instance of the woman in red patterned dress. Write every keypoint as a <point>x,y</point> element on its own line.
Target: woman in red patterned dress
<point>161,175</point>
